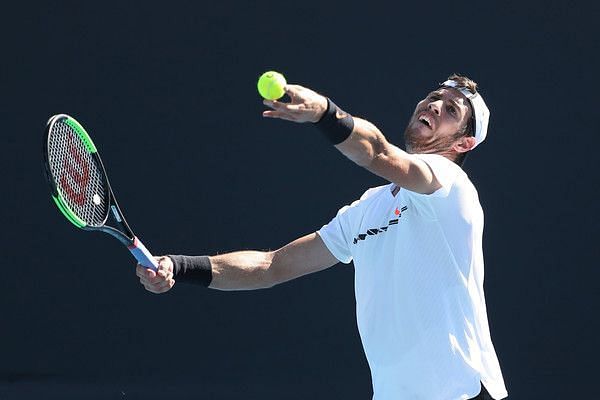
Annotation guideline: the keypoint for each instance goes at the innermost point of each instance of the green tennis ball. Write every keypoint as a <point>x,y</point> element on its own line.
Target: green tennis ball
<point>271,85</point>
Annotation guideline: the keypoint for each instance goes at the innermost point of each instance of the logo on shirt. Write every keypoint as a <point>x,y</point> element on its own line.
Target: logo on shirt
<point>377,231</point>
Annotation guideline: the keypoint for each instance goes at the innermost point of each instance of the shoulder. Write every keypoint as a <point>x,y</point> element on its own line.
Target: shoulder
<point>366,198</point>
<point>438,162</point>
<point>446,172</point>
<point>371,192</point>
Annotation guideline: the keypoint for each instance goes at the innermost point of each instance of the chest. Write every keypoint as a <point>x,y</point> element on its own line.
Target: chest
<point>379,222</point>
<point>395,231</point>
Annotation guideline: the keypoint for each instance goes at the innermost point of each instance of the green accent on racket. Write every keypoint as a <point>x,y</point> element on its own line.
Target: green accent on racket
<point>87,141</point>
<point>66,211</point>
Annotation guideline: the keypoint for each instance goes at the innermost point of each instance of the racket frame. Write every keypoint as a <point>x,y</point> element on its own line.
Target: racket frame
<point>122,232</point>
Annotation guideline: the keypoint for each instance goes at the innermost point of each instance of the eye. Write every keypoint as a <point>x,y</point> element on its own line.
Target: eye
<point>451,110</point>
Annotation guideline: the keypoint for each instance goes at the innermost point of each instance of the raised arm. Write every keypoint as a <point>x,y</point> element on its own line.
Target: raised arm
<point>366,145</point>
<point>248,270</point>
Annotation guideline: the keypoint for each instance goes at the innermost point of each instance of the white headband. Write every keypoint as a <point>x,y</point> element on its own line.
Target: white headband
<point>480,111</point>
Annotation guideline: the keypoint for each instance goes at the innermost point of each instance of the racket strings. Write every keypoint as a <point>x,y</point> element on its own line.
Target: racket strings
<point>77,175</point>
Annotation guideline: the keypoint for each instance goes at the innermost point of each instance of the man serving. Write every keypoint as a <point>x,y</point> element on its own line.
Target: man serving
<point>416,245</point>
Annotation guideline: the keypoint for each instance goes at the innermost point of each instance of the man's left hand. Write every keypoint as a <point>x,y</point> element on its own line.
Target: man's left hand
<point>305,105</point>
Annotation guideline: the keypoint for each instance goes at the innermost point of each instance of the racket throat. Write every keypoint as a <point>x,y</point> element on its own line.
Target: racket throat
<point>116,214</point>
<point>121,229</point>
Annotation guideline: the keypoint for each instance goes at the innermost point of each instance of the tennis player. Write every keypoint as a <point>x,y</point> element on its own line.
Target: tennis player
<point>416,245</point>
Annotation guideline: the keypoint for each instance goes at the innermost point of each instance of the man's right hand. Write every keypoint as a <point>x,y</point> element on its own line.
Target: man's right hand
<point>160,281</point>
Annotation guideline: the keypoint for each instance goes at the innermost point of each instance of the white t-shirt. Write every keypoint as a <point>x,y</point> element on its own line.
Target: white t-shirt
<point>420,306</point>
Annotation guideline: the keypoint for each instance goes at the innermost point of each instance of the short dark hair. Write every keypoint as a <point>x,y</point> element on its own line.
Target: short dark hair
<point>469,128</point>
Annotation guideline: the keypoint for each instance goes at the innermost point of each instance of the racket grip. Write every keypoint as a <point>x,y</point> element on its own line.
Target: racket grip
<point>142,255</point>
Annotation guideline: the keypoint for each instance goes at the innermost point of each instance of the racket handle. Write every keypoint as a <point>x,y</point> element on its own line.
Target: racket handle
<point>141,253</point>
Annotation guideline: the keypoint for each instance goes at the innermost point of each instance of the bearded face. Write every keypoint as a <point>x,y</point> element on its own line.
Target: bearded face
<point>437,122</point>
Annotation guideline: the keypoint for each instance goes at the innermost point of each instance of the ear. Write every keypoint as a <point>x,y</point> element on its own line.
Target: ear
<point>464,144</point>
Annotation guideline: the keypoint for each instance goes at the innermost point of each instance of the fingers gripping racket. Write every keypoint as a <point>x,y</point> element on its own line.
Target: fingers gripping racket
<point>80,187</point>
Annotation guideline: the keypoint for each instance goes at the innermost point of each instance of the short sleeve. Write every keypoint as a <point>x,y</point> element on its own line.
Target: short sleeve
<point>445,172</point>
<point>335,237</point>
<point>337,234</point>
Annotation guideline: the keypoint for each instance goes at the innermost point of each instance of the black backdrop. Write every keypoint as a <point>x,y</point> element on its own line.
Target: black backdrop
<point>168,93</point>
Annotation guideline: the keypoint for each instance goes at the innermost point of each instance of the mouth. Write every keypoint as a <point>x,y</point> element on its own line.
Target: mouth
<point>426,120</point>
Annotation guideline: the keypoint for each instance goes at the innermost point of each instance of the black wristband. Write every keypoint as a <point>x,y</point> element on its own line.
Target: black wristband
<point>335,123</point>
<point>192,269</point>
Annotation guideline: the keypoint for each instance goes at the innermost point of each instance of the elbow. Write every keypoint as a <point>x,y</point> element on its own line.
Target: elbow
<point>363,160</point>
<point>374,151</point>
<point>376,147</point>
<point>276,271</point>
<point>366,153</point>
<point>268,271</point>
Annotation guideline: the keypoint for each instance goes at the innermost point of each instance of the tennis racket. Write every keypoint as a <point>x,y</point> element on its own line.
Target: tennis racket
<point>80,187</point>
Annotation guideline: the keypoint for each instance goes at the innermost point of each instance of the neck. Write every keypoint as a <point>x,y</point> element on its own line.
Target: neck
<point>445,152</point>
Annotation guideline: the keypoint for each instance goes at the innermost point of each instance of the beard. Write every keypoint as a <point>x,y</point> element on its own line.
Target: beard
<point>413,141</point>
<point>419,139</point>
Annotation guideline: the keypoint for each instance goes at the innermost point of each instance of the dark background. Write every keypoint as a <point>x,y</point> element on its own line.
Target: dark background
<point>168,94</point>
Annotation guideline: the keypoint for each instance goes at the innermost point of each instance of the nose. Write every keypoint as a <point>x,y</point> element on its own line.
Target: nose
<point>435,106</point>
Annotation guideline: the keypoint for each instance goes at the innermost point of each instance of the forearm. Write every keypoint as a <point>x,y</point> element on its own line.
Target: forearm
<point>248,270</point>
<point>357,139</point>
<point>364,144</point>
<point>242,270</point>
<point>368,148</point>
